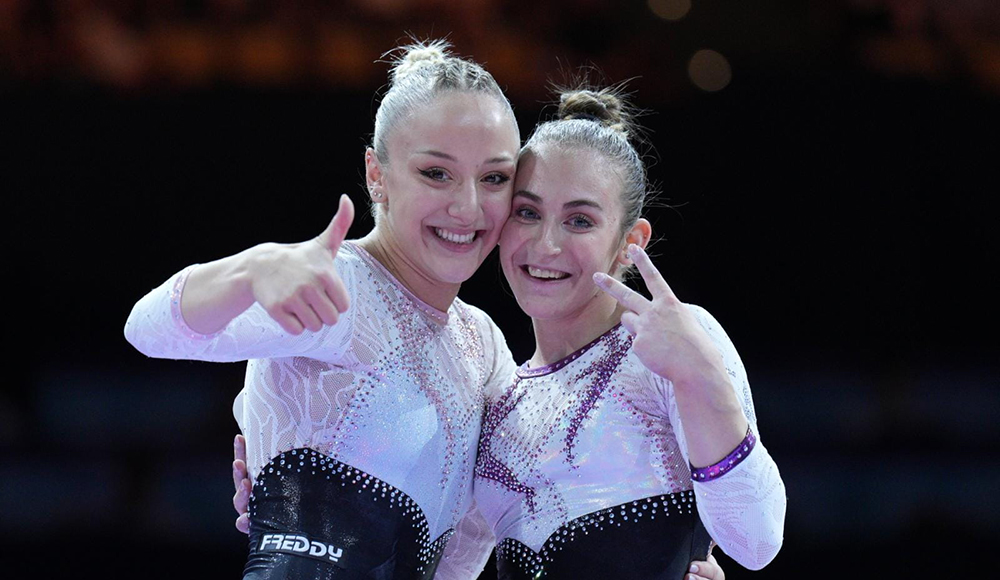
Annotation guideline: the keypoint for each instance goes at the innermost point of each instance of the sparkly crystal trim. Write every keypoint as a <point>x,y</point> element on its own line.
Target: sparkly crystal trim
<point>319,464</point>
<point>488,466</point>
<point>735,457</point>
<point>175,308</point>
<point>524,372</point>
<point>633,512</point>
<point>600,372</point>
<point>439,316</point>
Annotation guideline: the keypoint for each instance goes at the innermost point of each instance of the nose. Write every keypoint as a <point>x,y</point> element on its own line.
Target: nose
<point>548,240</point>
<point>465,204</point>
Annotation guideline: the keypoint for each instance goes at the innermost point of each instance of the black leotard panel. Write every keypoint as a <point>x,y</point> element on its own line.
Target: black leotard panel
<point>651,538</point>
<point>315,518</point>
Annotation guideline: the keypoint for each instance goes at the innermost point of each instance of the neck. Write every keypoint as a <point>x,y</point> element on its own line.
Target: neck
<point>557,338</point>
<point>437,294</point>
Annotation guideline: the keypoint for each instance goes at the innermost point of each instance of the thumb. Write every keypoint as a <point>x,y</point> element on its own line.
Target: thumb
<point>334,234</point>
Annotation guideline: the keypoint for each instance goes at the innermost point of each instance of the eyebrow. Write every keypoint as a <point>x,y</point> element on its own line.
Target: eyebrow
<point>569,204</point>
<point>443,155</point>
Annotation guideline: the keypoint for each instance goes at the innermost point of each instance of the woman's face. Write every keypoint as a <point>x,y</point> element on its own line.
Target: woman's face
<point>565,225</point>
<point>447,184</point>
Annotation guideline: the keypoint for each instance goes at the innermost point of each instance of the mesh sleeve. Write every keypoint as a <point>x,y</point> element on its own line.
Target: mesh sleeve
<point>156,328</point>
<point>744,509</point>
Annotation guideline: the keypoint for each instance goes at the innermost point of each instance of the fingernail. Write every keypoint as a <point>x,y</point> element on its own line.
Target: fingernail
<point>599,276</point>
<point>694,568</point>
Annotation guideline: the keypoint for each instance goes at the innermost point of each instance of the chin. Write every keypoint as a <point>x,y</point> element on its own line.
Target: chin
<point>540,309</point>
<point>458,274</point>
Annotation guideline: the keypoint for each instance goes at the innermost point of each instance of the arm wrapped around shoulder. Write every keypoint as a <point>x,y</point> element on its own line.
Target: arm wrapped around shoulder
<point>744,509</point>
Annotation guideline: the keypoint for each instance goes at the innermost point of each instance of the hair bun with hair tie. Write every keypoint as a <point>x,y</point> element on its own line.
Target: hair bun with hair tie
<point>428,53</point>
<point>419,55</point>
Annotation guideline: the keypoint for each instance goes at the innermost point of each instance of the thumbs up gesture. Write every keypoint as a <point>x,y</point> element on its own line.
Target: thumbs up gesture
<point>297,284</point>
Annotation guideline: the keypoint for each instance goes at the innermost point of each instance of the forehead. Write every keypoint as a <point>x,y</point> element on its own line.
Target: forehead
<point>562,174</point>
<point>458,122</point>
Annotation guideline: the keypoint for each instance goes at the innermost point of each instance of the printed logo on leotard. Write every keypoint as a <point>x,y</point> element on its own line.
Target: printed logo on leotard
<point>299,545</point>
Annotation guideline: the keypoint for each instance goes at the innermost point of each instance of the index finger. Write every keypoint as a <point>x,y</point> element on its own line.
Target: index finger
<point>625,296</point>
<point>650,275</point>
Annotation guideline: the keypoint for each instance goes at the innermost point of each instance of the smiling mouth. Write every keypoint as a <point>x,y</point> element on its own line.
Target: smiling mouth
<point>455,238</point>
<point>543,274</point>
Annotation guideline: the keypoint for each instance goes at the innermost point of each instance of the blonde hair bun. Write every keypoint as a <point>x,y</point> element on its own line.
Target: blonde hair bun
<point>418,55</point>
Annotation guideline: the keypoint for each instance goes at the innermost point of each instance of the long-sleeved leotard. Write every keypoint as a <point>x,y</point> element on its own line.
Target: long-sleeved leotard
<point>385,405</point>
<point>582,472</point>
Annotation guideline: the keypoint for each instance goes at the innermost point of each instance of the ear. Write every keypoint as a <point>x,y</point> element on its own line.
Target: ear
<point>375,177</point>
<point>639,234</point>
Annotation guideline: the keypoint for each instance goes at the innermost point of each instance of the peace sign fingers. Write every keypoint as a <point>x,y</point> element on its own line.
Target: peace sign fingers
<point>625,296</point>
<point>657,286</point>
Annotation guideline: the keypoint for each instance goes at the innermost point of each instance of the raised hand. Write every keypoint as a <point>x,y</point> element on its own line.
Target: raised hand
<point>667,337</point>
<point>241,480</point>
<point>297,283</point>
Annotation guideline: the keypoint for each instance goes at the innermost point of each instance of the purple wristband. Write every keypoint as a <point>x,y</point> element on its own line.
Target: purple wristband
<point>717,470</point>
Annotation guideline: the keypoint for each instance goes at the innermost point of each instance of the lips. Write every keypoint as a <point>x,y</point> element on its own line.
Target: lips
<point>454,237</point>
<point>544,273</point>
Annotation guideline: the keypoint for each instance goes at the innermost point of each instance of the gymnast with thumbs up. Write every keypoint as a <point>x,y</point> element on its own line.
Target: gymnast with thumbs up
<point>366,375</point>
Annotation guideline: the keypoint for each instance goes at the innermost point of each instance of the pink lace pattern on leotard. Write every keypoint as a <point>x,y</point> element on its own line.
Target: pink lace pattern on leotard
<point>396,388</point>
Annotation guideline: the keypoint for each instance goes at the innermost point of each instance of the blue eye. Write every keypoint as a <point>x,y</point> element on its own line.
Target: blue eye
<point>434,173</point>
<point>580,222</point>
<point>526,213</point>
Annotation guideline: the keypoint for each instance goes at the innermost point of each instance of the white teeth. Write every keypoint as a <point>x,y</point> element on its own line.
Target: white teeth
<point>540,273</point>
<point>446,235</point>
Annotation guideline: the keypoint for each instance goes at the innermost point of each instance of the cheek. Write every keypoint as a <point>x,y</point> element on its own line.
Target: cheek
<point>506,255</point>
<point>510,234</point>
<point>497,207</point>
<point>510,242</point>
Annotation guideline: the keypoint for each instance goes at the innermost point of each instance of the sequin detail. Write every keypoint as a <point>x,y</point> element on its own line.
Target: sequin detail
<point>525,372</point>
<point>533,563</point>
<point>488,466</point>
<point>735,457</point>
<point>415,361</point>
<point>601,371</point>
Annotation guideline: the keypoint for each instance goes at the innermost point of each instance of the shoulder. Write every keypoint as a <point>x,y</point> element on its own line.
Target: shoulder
<point>469,312</point>
<point>474,315</point>
<point>348,258</point>
<point>704,317</point>
<point>710,325</point>
<point>355,266</point>
<point>491,338</point>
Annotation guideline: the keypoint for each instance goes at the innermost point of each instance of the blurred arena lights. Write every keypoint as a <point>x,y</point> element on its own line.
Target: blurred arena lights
<point>709,70</point>
<point>672,10</point>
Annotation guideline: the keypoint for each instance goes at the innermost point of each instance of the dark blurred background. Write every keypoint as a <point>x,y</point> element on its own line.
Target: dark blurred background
<point>827,166</point>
